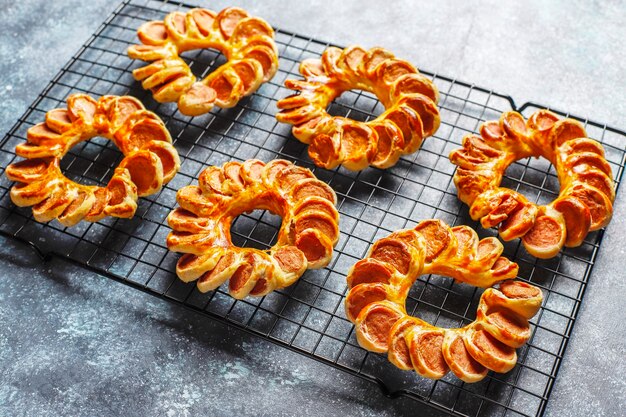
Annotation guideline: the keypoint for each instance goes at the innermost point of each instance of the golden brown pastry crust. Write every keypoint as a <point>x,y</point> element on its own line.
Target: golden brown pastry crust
<point>201,226</point>
<point>380,283</point>
<point>149,161</point>
<point>409,98</point>
<point>585,201</point>
<point>247,43</point>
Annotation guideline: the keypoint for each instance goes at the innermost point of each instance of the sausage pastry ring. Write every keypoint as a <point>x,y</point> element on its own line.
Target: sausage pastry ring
<point>149,161</point>
<point>201,226</point>
<point>247,42</point>
<point>585,201</point>
<point>409,98</point>
<point>379,285</point>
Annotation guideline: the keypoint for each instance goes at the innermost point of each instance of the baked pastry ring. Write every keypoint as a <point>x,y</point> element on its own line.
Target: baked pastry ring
<point>379,285</point>
<point>585,201</point>
<point>246,42</point>
<point>149,161</point>
<point>308,233</point>
<point>409,98</point>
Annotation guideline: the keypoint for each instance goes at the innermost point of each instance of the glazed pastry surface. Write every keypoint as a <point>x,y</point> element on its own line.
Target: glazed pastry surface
<point>410,100</point>
<point>247,42</point>
<point>201,226</point>
<point>587,192</point>
<point>149,161</point>
<point>380,283</point>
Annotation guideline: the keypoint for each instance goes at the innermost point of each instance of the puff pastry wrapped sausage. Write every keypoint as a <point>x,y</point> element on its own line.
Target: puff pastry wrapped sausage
<point>409,98</point>
<point>149,161</point>
<point>379,285</point>
<point>585,201</point>
<point>246,41</point>
<point>201,226</point>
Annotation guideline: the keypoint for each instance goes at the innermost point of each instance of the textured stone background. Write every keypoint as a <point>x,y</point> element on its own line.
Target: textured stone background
<point>74,343</point>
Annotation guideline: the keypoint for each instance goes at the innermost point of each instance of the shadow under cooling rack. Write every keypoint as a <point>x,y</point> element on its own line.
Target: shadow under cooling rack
<point>308,317</point>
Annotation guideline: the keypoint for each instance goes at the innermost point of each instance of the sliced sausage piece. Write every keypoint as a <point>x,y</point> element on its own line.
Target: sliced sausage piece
<point>467,241</point>
<point>427,111</point>
<point>351,58</point>
<point>489,251</point>
<point>249,27</point>
<point>577,219</point>
<point>81,107</point>
<point>28,170</point>
<point>78,208</point>
<point>459,360</point>
<point>190,267</point>
<point>513,125</point>
<point>211,180</point>
<point>358,145</point>
<point>146,171</point>
<point>311,67</point>
<point>389,70</point>
<point>312,187</point>
<point>369,270</point>
<point>363,295</point>
<point>518,297</point>
<point>59,120</point>
<point>316,247</point>
<point>582,162</point>
<point>394,252</point>
<point>152,33</point>
<point>42,135</point>
<point>437,236</point>
<point>186,221</point>
<point>228,19</point>
<point>508,328</point>
<point>197,100</point>
<point>325,151</point>
<point>290,259</point>
<point>580,145</point>
<point>492,133</point>
<point>330,56</point>
<point>410,123</point>
<point>390,140</point>
<point>415,84</point>
<point>599,180</point>
<point>319,221</point>
<point>546,238</point>
<point>425,348</point>
<point>204,20</point>
<point>598,203</point>
<point>374,324</point>
<point>224,269</point>
<point>288,177</point>
<point>489,351</point>
<point>542,122</point>
<point>519,222</point>
<point>52,207</point>
<point>399,353</point>
<point>372,59</point>
<point>246,276</point>
<point>566,130</point>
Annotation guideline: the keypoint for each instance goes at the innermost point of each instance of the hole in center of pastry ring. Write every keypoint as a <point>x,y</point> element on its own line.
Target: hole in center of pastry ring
<point>256,229</point>
<point>202,226</point>
<point>586,189</point>
<point>409,99</point>
<point>202,62</point>
<point>378,287</point>
<point>246,42</point>
<point>149,160</point>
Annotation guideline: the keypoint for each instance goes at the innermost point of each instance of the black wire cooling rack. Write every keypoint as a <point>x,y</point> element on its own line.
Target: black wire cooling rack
<point>308,317</point>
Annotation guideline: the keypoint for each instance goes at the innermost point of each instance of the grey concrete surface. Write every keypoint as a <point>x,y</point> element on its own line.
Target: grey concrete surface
<point>74,343</point>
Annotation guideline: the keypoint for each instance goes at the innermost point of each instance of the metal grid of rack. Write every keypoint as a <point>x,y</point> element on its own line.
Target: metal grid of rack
<point>308,317</point>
